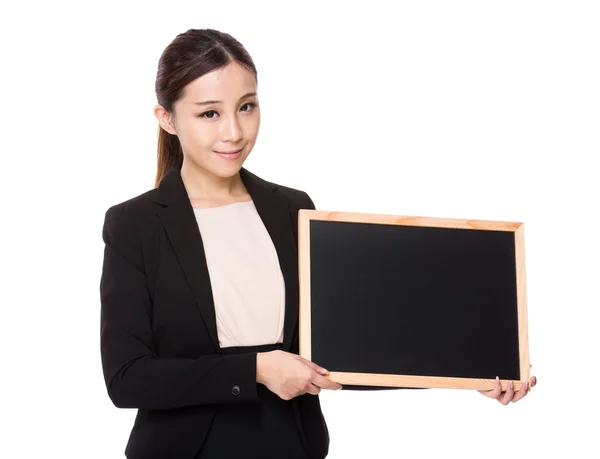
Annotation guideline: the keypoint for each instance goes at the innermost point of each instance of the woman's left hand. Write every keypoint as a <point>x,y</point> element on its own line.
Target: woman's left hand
<point>510,395</point>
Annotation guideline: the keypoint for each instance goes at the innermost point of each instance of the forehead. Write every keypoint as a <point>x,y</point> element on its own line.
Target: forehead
<point>228,83</point>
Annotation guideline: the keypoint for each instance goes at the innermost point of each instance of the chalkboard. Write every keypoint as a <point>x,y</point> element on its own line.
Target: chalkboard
<point>396,301</point>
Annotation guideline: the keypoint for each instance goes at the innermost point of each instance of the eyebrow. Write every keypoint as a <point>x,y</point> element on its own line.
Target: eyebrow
<point>207,102</point>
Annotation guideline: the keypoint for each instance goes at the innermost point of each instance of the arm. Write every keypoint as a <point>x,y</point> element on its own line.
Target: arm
<point>135,376</point>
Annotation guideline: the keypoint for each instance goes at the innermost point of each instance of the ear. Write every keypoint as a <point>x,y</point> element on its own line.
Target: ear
<point>165,119</point>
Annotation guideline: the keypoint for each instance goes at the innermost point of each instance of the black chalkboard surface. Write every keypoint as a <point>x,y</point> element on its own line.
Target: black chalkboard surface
<point>413,301</point>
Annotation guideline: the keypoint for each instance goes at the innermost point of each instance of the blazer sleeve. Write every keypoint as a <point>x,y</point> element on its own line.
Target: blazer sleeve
<point>135,376</point>
<point>309,204</point>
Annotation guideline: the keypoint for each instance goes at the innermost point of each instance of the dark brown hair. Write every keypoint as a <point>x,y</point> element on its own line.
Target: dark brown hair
<point>189,56</point>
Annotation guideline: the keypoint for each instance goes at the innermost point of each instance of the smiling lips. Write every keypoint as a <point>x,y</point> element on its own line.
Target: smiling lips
<point>230,154</point>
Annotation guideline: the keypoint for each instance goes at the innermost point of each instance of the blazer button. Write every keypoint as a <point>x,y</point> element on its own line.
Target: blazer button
<point>235,390</point>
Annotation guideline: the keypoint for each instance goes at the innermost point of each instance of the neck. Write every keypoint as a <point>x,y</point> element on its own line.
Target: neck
<point>202,184</point>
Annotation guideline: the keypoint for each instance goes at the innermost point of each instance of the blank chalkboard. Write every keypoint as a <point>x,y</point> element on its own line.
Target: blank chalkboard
<point>413,301</point>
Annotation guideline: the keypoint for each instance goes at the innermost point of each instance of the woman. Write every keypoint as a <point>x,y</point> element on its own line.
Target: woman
<point>199,288</point>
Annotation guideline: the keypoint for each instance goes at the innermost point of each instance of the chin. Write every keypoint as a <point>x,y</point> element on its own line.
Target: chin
<point>226,174</point>
<point>227,170</point>
<point>218,167</point>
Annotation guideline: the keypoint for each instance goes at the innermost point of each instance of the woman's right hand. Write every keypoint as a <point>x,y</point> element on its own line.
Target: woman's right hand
<point>289,375</point>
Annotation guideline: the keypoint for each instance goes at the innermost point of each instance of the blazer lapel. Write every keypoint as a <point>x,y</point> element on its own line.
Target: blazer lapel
<point>275,213</point>
<point>179,221</point>
<point>182,230</point>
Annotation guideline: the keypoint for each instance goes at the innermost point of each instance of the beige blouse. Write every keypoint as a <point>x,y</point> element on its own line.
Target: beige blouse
<point>246,279</point>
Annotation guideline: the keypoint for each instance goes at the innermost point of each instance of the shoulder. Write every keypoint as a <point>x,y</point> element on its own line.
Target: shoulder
<point>131,209</point>
<point>123,222</point>
<point>294,196</point>
<point>298,198</point>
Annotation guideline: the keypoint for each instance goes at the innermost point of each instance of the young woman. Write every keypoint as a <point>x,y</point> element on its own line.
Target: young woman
<point>199,288</point>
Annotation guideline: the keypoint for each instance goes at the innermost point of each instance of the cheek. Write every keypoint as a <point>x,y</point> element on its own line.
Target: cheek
<point>251,128</point>
<point>198,136</point>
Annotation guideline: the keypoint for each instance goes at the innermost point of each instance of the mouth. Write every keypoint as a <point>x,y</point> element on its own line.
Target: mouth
<point>230,154</point>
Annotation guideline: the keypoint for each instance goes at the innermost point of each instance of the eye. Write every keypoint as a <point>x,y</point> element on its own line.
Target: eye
<point>212,114</point>
<point>252,106</point>
<point>206,114</point>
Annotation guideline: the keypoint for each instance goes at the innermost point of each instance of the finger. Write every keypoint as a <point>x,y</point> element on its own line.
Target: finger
<point>522,392</point>
<point>508,395</point>
<point>533,381</point>
<point>324,382</point>
<point>312,389</point>
<point>314,366</point>
<point>495,392</point>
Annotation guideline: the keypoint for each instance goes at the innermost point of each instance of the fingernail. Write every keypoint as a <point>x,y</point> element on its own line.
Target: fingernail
<point>511,385</point>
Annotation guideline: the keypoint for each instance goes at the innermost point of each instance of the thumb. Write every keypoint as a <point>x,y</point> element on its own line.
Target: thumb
<point>314,366</point>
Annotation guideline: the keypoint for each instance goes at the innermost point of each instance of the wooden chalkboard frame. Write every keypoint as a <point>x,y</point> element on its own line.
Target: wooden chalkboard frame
<point>386,380</point>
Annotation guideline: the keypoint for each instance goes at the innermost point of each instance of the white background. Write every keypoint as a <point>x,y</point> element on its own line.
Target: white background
<point>483,110</point>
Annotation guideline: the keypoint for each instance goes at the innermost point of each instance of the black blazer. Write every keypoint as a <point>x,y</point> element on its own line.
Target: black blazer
<point>159,345</point>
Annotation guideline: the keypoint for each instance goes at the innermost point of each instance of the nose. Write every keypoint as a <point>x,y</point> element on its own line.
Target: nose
<point>231,129</point>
